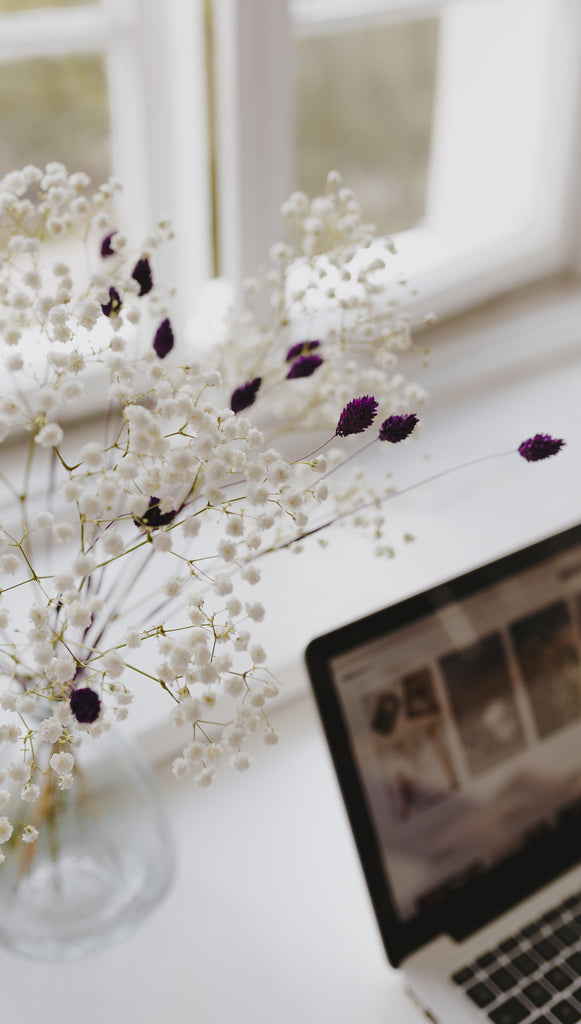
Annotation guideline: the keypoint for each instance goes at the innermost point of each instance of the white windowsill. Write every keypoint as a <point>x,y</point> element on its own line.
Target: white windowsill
<point>497,376</point>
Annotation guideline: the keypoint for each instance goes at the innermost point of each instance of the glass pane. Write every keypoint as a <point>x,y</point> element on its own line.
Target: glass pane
<point>364,103</point>
<point>55,110</point>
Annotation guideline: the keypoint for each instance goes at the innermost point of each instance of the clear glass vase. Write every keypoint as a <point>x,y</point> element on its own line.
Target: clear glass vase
<point>102,861</point>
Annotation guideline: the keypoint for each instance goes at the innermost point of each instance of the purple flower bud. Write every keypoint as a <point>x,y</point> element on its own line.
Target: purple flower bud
<point>541,446</point>
<point>398,427</point>
<point>112,307</point>
<point>153,518</point>
<point>245,395</point>
<point>304,366</point>
<point>302,348</point>
<point>106,247</point>
<point>357,416</point>
<point>85,704</point>
<point>163,341</point>
<point>142,274</point>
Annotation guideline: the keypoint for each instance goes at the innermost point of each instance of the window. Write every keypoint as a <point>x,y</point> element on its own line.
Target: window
<point>212,111</point>
<point>488,197</point>
<point>115,87</point>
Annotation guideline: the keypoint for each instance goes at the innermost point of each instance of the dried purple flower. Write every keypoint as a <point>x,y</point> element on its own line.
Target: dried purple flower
<point>164,340</point>
<point>153,518</point>
<point>106,247</point>
<point>85,704</point>
<point>304,366</point>
<point>302,348</point>
<point>245,395</point>
<point>112,307</point>
<point>541,446</point>
<point>357,416</point>
<point>397,427</point>
<point>142,274</point>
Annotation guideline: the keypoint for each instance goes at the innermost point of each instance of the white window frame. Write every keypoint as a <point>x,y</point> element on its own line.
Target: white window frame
<point>154,55</point>
<point>453,270</point>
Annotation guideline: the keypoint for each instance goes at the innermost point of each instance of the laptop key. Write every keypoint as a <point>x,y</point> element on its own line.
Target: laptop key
<point>524,964</point>
<point>565,1012</point>
<point>503,979</point>
<point>558,978</point>
<point>508,945</point>
<point>545,949</point>
<point>481,994</point>
<point>485,960</point>
<point>566,935</point>
<point>574,961</point>
<point>511,1012</point>
<point>463,975</point>
<point>536,993</point>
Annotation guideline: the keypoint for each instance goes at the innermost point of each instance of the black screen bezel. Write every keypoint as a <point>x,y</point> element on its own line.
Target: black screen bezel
<point>482,898</point>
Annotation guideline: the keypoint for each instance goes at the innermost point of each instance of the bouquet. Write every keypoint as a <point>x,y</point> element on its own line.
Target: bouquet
<point>131,556</point>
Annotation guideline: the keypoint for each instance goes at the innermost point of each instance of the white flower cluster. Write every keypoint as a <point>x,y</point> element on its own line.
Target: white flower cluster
<point>140,560</point>
<point>329,259</point>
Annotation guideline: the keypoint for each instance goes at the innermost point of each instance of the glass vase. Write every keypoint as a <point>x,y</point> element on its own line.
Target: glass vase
<point>102,860</point>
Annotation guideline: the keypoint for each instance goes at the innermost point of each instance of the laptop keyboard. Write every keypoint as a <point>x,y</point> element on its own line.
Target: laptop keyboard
<point>533,975</point>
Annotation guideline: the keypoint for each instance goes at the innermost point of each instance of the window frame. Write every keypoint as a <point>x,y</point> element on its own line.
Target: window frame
<point>451,271</point>
<point>155,65</point>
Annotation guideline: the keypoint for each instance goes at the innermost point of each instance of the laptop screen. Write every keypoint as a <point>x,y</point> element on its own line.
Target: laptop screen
<point>454,719</point>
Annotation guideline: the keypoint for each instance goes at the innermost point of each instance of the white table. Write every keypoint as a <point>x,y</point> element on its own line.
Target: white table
<point>268,919</point>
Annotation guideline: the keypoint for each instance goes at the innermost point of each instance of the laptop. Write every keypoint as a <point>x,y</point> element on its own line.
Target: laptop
<point>454,723</point>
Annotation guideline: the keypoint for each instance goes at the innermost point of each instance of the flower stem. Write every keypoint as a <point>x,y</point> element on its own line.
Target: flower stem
<point>303,458</point>
<point>374,502</point>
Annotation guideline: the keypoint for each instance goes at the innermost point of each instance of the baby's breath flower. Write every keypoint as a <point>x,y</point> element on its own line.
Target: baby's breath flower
<point>172,507</point>
<point>250,574</point>
<point>50,730</point>
<point>6,830</point>
<point>256,611</point>
<point>241,761</point>
<point>30,794</point>
<point>49,436</point>
<point>62,763</point>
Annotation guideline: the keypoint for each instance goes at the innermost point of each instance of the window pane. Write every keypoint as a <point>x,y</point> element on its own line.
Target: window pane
<point>55,110</point>
<point>364,103</point>
<point>25,5</point>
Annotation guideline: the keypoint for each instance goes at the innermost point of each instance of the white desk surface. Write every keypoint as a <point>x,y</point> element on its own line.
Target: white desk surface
<point>268,919</point>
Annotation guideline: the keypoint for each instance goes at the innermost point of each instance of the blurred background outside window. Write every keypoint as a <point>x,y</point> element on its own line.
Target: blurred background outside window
<point>54,108</point>
<point>364,105</point>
